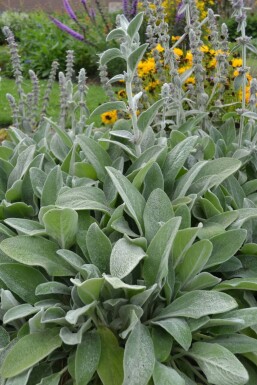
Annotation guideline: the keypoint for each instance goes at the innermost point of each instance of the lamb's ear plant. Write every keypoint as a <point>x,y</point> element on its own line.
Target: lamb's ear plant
<point>127,256</point>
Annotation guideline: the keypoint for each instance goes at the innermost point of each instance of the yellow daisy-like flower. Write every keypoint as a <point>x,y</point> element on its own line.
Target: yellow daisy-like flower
<point>181,70</point>
<point>175,38</point>
<point>178,52</point>
<point>190,80</point>
<point>145,67</point>
<point>152,85</point>
<point>247,94</point>
<point>204,48</point>
<point>159,48</point>
<point>237,63</point>
<point>109,117</point>
<point>122,94</point>
<point>189,56</point>
<point>212,63</point>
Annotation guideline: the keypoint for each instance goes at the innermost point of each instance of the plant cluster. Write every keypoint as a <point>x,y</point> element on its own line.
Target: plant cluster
<point>128,256</point>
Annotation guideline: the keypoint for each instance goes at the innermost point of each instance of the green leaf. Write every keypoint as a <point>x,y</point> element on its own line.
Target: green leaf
<point>52,288</point>
<point>155,267</point>
<point>87,358</point>
<point>21,280</point>
<point>125,257</point>
<point>109,106</point>
<point>194,260</point>
<point>62,225</point>
<point>83,198</point>
<point>237,343</point>
<point>4,338</point>
<point>176,159</point>
<point>218,364</point>
<point>135,25</point>
<point>109,55</point>
<point>53,379</point>
<point>117,33</point>
<point>26,226</point>
<point>158,209</point>
<point>110,369</point>
<point>134,201</point>
<point>225,246</point>
<point>164,375</point>
<point>178,329</point>
<point>139,358</point>
<point>72,316</point>
<point>162,344</point>
<point>197,304</point>
<point>99,248</point>
<point>201,281</point>
<point>213,173</point>
<point>95,154</point>
<point>36,345</point>
<point>17,312</point>
<point>146,118</point>
<point>21,379</point>
<point>90,289</point>
<point>238,284</point>
<point>135,57</point>
<point>37,178</point>
<point>52,187</point>
<point>23,161</point>
<point>117,283</point>
<point>182,242</point>
<point>35,251</point>
<point>153,180</point>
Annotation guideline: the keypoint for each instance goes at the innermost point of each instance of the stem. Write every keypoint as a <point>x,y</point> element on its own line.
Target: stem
<point>133,116</point>
<point>241,130</point>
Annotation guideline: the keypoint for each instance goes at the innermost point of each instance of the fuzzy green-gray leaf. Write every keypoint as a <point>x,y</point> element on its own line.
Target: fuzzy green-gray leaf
<point>62,225</point>
<point>158,209</point>
<point>139,357</point>
<point>131,196</point>
<point>87,358</point>
<point>35,251</point>
<point>156,264</point>
<point>218,364</point>
<point>99,248</point>
<point>198,304</point>
<point>125,257</point>
<point>36,345</point>
<point>164,375</point>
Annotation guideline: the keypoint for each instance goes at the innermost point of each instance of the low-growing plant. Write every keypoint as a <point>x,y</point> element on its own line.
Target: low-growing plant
<point>128,255</point>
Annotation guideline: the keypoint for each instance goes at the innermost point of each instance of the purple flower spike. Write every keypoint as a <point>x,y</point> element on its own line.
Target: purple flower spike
<point>69,10</point>
<point>133,11</point>
<point>92,13</point>
<point>125,7</point>
<point>84,2</point>
<point>67,29</point>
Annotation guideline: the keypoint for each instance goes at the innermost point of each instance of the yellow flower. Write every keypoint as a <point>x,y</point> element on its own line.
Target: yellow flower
<point>178,52</point>
<point>109,117</point>
<point>247,94</point>
<point>190,80</point>
<point>181,70</point>
<point>236,73</point>
<point>237,62</point>
<point>175,38</point>
<point>152,85</point>
<point>121,94</point>
<point>212,63</point>
<point>189,56</point>
<point>145,67</point>
<point>204,48</point>
<point>159,48</point>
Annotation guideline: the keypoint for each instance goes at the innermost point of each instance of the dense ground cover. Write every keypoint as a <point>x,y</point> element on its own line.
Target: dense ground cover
<point>128,250</point>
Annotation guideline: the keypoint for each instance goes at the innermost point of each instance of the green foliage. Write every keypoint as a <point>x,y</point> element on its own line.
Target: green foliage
<point>127,262</point>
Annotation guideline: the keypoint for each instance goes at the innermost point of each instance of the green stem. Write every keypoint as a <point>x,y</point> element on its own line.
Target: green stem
<point>133,117</point>
<point>242,120</point>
